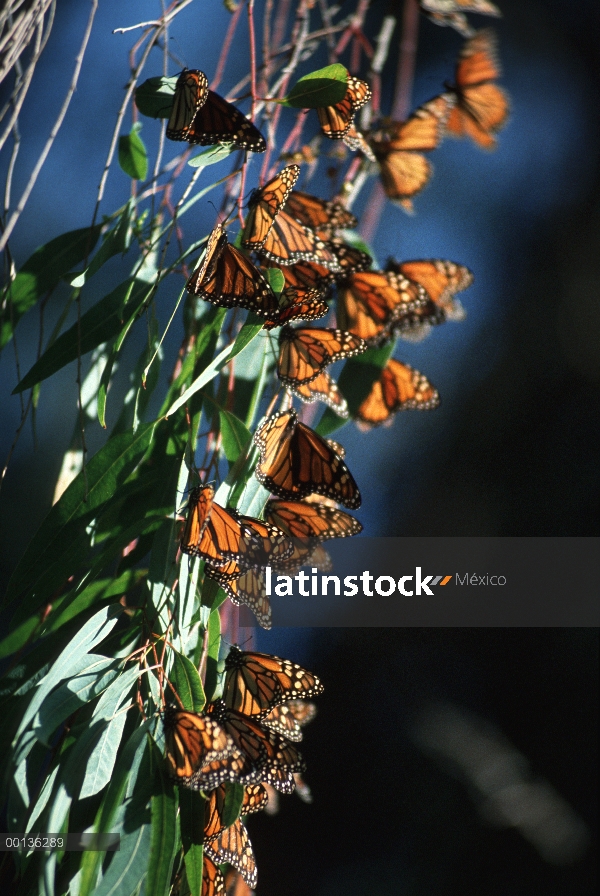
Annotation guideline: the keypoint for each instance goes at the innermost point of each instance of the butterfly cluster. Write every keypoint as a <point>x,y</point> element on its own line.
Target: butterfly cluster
<point>239,749</point>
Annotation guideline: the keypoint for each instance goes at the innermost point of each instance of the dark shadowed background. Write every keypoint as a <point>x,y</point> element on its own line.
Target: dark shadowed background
<point>512,450</point>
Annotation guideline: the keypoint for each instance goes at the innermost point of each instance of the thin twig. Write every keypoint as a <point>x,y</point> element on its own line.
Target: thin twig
<point>57,125</point>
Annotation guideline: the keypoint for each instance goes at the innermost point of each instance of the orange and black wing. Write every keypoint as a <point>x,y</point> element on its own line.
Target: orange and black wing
<point>213,882</point>
<point>322,388</point>
<point>289,718</point>
<point>322,216</point>
<point>210,532</point>
<point>192,740</point>
<point>218,121</point>
<point>336,120</point>
<point>295,461</point>
<point>256,682</point>
<point>299,519</point>
<point>305,352</point>
<point>398,388</point>
<point>191,92</point>
<point>265,205</point>
<point>232,846</point>
<point>289,242</point>
<point>482,107</point>
<point>229,279</point>
<point>370,302</point>
<point>298,305</point>
<point>244,586</point>
<point>441,279</point>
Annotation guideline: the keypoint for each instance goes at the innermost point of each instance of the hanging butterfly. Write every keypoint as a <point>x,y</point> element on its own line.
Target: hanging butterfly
<point>191,92</point>
<point>298,305</point>
<point>482,107</point>
<point>398,388</point>
<point>245,587</point>
<point>266,204</point>
<point>230,280</point>
<point>304,352</point>
<point>289,718</point>
<point>216,806</point>
<point>295,461</point>
<point>399,149</point>
<point>192,742</point>
<point>273,757</point>
<point>452,12</point>
<point>211,532</point>
<point>256,682</point>
<point>213,882</point>
<point>441,279</point>
<point>322,388</point>
<point>307,521</point>
<point>202,117</point>
<point>336,120</point>
<point>232,846</point>
<point>371,302</point>
<point>321,216</point>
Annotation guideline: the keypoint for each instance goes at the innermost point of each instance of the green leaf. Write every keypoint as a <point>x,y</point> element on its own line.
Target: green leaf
<point>42,273</point>
<point>49,550</point>
<point>98,325</point>
<point>355,381</point>
<point>211,156</point>
<point>187,683</point>
<point>253,325</point>
<point>232,806</point>
<point>128,867</point>
<point>154,98</point>
<point>164,832</point>
<point>191,806</point>
<point>133,156</point>
<point>235,434</point>
<point>275,278</point>
<point>212,653</point>
<point>325,87</point>
<point>115,241</point>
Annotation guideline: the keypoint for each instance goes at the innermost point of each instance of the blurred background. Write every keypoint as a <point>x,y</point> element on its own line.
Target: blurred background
<point>410,719</point>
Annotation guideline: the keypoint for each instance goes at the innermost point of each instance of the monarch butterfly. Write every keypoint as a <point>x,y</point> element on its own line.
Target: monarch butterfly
<point>398,388</point>
<point>266,204</point>
<point>261,543</point>
<point>306,275</point>
<point>321,216</point>
<point>229,279</point>
<point>217,804</point>
<point>256,682</point>
<point>192,741</point>
<point>233,846</point>
<point>210,531</point>
<point>452,12</point>
<point>481,108</point>
<point>398,149</point>
<point>336,120</point>
<point>299,519</point>
<point>296,305</point>
<point>304,352</point>
<point>289,718</point>
<point>295,461</point>
<point>349,258</point>
<point>213,882</point>
<point>273,757</point>
<point>191,92</point>
<point>245,587</point>
<point>322,388</point>
<point>441,279</point>
<point>370,302</point>
<point>218,121</point>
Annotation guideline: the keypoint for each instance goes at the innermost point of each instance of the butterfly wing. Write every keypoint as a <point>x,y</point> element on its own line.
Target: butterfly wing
<point>218,538</point>
<point>370,302</point>
<point>322,388</point>
<point>440,278</point>
<point>213,882</point>
<point>266,204</point>
<point>399,387</point>
<point>305,352</point>
<point>298,305</point>
<point>323,217</point>
<point>336,120</point>
<point>299,519</point>
<point>256,682</point>
<point>191,92</point>
<point>218,121</point>
<point>233,846</point>
<point>192,741</point>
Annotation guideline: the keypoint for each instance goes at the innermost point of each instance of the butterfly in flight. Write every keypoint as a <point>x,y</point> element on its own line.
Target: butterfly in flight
<point>257,682</point>
<point>229,279</point>
<point>452,12</point>
<point>399,149</point>
<point>398,388</point>
<point>370,303</point>
<point>295,461</point>
<point>482,107</point>
<point>336,120</point>
<point>193,741</point>
<point>202,117</point>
